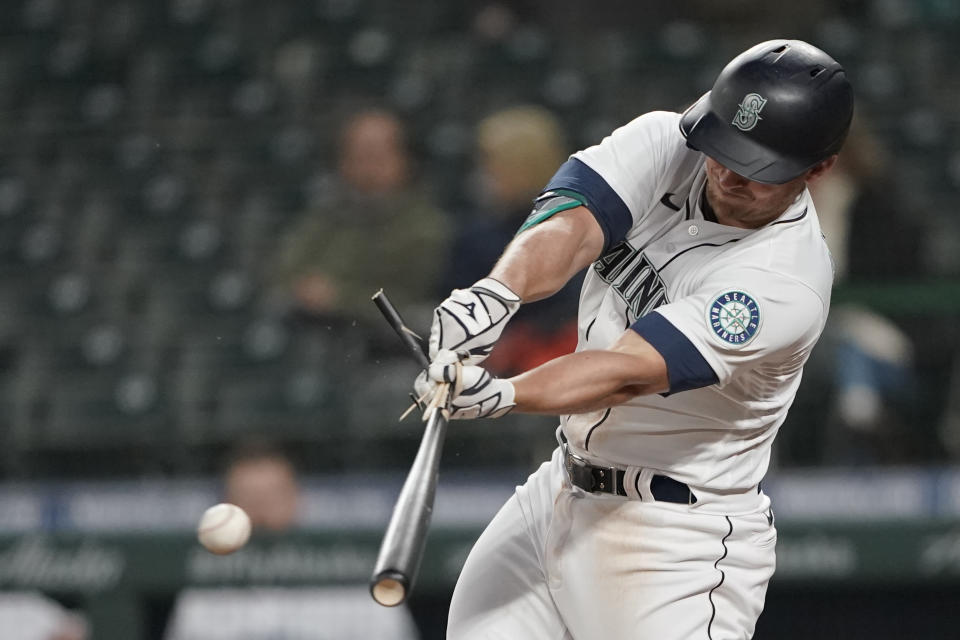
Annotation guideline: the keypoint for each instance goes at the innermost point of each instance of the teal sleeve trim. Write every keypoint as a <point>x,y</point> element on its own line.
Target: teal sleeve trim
<point>551,203</point>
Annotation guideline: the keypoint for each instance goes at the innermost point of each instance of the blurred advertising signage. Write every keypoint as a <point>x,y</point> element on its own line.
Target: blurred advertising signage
<point>365,501</point>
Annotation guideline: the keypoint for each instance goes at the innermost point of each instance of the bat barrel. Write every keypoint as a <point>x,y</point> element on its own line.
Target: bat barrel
<point>402,547</point>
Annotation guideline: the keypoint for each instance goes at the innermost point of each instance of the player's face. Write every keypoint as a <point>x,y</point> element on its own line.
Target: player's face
<point>741,202</point>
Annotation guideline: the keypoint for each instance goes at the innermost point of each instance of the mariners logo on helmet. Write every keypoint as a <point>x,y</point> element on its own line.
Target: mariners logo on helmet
<point>748,115</point>
<point>734,317</point>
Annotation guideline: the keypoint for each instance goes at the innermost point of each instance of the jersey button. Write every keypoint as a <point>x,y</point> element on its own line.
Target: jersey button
<point>693,229</point>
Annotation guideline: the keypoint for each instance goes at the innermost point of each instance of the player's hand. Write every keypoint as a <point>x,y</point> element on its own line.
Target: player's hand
<point>472,319</point>
<point>475,393</point>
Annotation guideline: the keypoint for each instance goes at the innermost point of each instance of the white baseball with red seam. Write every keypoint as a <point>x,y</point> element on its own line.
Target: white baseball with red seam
<point>224,528</point>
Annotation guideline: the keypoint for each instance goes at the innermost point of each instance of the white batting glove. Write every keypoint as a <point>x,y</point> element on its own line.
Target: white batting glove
<point>476,394</point>
<point>472,319</point>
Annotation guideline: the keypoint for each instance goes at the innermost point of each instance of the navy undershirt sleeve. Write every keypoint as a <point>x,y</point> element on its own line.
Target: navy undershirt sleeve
<point>603,202</point>
<point>686,368</point>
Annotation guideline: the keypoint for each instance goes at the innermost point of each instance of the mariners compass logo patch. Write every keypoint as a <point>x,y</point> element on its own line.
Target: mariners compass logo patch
<point>734,317</point>
<point>748,115</point>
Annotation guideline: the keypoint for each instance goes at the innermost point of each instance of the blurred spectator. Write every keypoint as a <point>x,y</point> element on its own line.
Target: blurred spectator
<point>518,150</point>
<point>864,364</point>
<point>262,481</point>
<point>33,616</point>
<point>861,194</point>
<point>869,418</point>
<point>373,226</point>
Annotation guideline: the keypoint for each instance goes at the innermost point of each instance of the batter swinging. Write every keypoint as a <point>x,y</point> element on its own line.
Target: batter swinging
<point>710,284</point>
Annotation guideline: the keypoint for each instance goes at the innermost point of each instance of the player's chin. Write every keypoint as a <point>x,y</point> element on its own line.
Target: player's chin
<point>733,195</point>
<point>723,208</point>
<point>724,202</point>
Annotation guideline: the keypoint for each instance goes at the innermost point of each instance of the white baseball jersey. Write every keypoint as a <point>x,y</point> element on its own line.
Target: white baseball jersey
<point>734,312</point>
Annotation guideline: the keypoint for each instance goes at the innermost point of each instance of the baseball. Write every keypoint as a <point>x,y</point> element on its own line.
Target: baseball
<point>224,528</point>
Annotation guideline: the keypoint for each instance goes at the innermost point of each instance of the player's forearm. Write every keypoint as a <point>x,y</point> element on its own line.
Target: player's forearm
<point>583,381</point>
<point>541,260</point>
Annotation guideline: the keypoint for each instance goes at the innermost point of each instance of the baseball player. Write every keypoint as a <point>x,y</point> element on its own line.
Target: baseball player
<point>709,284</point>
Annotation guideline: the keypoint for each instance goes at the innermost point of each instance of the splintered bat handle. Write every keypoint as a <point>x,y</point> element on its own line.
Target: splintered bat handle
<point>409,337</point>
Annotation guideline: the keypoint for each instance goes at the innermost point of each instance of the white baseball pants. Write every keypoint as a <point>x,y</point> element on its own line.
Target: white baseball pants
<point>558,563</point>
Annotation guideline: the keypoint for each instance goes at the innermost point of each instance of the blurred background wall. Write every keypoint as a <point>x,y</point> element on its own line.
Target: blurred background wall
<point>198,197</point>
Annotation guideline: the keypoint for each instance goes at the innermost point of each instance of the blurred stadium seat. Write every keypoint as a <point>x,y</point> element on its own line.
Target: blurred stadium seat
<point>150,156</point>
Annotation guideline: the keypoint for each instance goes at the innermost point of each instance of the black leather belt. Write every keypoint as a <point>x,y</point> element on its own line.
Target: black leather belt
<point>610,480</point>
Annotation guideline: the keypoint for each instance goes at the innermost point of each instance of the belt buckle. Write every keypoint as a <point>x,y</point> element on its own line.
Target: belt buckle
<point>607,474</point>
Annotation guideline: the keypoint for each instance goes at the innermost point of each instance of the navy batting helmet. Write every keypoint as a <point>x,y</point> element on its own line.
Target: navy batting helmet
<point>775,111</point>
